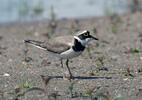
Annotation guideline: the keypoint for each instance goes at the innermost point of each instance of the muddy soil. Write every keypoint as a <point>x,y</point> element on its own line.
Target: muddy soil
<point>118,54</point>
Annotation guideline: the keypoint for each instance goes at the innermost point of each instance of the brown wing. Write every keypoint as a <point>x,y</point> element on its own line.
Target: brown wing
<point>59,44</point>
<point>56,45</point>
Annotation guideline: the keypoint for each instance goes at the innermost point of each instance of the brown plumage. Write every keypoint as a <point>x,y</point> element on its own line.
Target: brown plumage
<point>55,45</point>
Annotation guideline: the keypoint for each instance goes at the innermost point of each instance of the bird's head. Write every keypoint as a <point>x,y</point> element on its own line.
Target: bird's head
<point>84,37</point>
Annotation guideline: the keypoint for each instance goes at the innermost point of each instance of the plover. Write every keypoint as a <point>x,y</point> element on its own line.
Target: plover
<point>65,47</point>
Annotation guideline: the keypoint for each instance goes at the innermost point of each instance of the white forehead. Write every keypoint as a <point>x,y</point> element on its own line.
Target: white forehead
<point>81,32</point>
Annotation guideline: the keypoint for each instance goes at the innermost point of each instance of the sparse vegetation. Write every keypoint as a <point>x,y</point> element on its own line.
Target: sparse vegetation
<point>114,57</point>
<point>115,22</point>
<point>53,96</point>
<point>71,87</point>
<point>120,54</point>
<point>25,84</point>
<point>128,72</point>
<point>114,29</point>
<point>100,66</point>
<point>95,30</point>
<point>133,50</point>
<point>101,59</point>
<point>96,94</point>
<point>52,13</point>
<point>88,48</point>
<point>91,92</point>
<point>23,8</point>
<point>19,92</point>
<point>136,50</point>
<point>38,8</point>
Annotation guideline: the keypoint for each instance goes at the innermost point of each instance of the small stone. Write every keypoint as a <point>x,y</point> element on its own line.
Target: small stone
<point>6,74</point>
<point>125,79</point>
<point>36,34</point>
<point>140,70</point>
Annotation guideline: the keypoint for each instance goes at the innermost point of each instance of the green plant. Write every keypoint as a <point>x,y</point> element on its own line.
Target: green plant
<point>89,48</point>
<point>114,29</point>
<point>102,95</point>
<point>26,84</point>
<point>89,51</point>
<point>38,9</point>
<point>118,97</point>
<point>114,57</point>
<point>108,10</point>
<point>136,50</point>
<point>133,50</point>
<point>24,8</point>
<point>108,97</point>
<point>76,30</point>
<point>28,59</point>
<point>71,87</point>
<point>54,96</point>
<point>140,40</point>
<point>95,94</point>
<point>104,41</point>
<point>115,21</point>
<point>23,64</point>
<point>91,92</point>
<point>128,72</point>
<point>101,65</point>
<point>19,92</point>
<point>52,13</point>
<point>94,30</point>
<point>101,59</point>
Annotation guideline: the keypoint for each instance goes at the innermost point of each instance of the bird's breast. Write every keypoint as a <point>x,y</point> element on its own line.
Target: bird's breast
<point>69,54</point>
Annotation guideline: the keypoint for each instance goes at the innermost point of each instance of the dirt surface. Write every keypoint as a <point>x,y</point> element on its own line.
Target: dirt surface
<point>119,51</point>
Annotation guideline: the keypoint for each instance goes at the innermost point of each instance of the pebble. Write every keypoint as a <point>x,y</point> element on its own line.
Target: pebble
<point>6,74</point>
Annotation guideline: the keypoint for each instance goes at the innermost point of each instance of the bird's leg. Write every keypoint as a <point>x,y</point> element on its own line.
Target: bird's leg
<point>69,69</point>
<point>62,68</point>
<point>61,62</point>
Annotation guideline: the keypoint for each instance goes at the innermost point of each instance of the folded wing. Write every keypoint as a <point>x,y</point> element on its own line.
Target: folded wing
<point>56,45</point>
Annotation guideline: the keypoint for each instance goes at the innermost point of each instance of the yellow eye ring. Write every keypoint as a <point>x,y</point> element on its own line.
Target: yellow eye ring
<point>85,34</point>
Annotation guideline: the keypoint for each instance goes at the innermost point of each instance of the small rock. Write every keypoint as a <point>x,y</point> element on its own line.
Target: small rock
<point>141,58</point>
<point>36,34</point>
<point>1,37</point>
<point>139,92</point>
<point>9,60</point>
<point>6,74</point>
<point>140,70</point>
<point>125,79</point>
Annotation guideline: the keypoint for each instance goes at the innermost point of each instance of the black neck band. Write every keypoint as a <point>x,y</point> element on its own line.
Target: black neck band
<point>78,46</point>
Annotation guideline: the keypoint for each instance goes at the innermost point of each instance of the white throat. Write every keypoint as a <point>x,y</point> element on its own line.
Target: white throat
<point>83,42</point>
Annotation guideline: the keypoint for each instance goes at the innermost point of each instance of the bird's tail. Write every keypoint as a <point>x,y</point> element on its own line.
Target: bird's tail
<point>34,43</point>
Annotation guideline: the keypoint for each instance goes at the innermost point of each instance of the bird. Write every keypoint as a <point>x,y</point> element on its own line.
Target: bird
<point>65,47</point>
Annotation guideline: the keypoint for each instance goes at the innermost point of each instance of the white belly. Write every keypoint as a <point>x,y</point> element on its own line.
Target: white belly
<point>69,54</point>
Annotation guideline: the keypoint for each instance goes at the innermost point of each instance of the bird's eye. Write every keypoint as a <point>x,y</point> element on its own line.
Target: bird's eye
<point>85,34</point>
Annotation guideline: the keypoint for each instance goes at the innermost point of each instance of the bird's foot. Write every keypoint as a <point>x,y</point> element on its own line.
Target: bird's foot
<point>71,78</point>
<point>65,77</point>
<point>46,79</point>
<point>68,77</point>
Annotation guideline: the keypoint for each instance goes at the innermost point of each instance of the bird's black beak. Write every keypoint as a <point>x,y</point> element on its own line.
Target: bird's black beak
<point>94,38</point>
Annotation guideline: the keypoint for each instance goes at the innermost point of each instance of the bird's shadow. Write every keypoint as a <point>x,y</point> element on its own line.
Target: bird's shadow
<point>82,77</point>
<point>47,78</point>
<point>1,37</point>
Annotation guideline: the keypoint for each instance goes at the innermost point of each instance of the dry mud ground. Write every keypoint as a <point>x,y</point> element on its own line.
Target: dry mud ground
<point>120,46</point>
